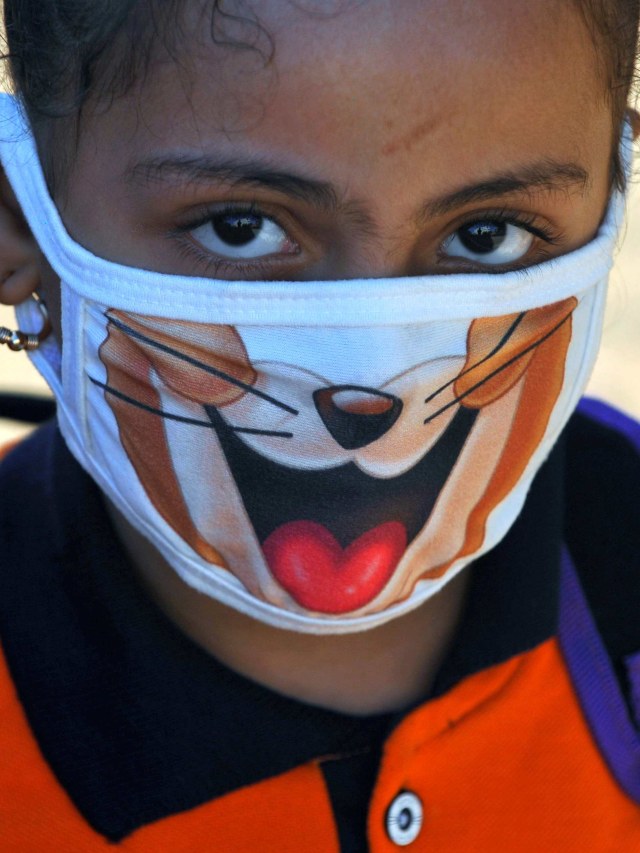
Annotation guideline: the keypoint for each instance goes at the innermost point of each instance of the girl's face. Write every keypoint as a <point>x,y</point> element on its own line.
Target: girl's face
<point>383,139</point>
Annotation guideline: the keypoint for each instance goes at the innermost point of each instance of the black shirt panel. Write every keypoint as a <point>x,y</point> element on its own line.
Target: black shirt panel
<point>603,530</point>
<point>350,781</point>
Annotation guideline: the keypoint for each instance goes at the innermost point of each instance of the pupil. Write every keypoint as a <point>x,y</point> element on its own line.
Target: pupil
<point>483,237</point>
<point>237,229</point>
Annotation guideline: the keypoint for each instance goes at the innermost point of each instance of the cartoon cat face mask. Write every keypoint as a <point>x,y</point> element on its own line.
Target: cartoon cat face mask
<point>322,456</point>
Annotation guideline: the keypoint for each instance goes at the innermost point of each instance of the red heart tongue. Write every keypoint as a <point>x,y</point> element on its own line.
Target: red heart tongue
<point>307,560</point>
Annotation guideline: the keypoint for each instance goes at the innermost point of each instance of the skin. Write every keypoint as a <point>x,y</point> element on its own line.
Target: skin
<point>396,106</point>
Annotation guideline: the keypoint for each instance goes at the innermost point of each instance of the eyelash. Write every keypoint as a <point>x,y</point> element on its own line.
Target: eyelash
<point>262,267</point>
<point>511,217</point>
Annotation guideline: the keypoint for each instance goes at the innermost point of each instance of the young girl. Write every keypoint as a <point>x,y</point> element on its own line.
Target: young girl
<point>316,557</point>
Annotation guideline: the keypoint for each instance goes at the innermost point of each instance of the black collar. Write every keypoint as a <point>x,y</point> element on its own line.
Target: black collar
<point>137,722</point>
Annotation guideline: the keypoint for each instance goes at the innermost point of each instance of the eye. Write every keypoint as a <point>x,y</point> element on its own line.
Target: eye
<point>489,242</point>
<point>237,233</point>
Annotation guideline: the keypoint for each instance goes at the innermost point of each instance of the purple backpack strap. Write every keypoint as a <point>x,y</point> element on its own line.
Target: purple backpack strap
<point>596,684</point>
<point>615,726</point>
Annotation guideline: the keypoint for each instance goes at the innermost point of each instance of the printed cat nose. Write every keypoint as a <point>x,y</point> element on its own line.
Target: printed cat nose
<point>356,416</point>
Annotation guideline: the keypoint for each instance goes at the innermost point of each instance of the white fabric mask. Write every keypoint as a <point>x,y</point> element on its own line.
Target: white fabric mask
<point>322,456</point>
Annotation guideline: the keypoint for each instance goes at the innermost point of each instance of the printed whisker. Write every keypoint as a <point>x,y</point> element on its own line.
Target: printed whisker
<point>133,333</point>
<point>493,352</point>
<point>502,367</point>
<point>268,432</point>
<point>181,418</point>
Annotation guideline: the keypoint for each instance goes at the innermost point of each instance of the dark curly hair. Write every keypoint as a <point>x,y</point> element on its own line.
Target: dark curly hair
<point>63,52</point>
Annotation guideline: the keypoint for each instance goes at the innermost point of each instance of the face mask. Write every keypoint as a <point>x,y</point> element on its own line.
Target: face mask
<point>322,456</point>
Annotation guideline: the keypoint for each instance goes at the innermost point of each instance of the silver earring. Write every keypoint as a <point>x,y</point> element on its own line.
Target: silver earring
<point>17,340</point>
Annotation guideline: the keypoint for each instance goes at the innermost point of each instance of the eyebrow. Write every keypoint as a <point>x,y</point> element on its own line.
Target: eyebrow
<point>256,173</point>
<point>544,176</point>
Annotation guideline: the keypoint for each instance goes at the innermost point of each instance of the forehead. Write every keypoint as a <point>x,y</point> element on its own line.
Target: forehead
<point>362,88</point>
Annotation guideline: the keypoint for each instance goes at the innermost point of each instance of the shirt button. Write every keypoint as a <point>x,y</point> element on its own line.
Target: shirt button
<point>404,819</point>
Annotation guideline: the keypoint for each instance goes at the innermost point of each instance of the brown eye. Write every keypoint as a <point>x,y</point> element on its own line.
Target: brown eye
<point>489,242</point>
<point>483,237</point>
<point>237,229</point>
<point>240,234</point>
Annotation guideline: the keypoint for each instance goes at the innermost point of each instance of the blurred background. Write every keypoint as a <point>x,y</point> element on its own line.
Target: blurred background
<point>616,377</point>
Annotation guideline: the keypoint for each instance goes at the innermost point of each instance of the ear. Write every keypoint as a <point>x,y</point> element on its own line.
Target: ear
<point>634,118</point>
<point>500,349</point>
<point>20,257</point>
<point>206,363</point>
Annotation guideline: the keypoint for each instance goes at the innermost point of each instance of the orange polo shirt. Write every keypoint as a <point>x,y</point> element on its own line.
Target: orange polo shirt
<point>117,731</point>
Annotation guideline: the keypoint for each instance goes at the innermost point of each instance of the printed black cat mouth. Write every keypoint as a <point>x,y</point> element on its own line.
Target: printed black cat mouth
<point>337,562</point>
